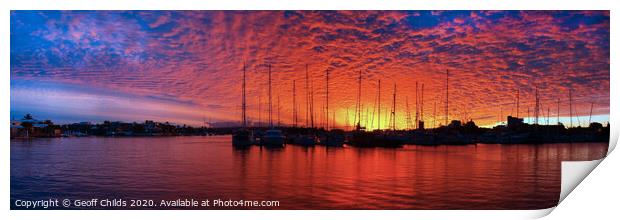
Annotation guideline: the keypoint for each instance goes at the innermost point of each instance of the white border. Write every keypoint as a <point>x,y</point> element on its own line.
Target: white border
<point>278,5</point>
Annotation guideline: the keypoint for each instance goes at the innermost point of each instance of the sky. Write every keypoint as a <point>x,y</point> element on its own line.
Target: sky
<point>186,67</point>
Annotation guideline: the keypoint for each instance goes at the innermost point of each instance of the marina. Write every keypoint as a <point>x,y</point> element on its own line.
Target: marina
<point>305,109</point>
<point>515,131</point>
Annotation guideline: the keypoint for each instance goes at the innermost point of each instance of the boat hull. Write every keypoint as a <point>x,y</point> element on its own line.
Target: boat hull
<point>273,141</point>
<point>241,139</point>
<point>305,140</point>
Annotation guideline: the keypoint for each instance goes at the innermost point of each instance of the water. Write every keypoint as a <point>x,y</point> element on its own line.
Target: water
<point>482,176</point>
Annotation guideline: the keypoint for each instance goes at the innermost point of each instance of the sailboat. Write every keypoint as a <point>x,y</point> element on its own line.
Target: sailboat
<point>242,137</point>
<point>391,138</point>
<point>307,138</point>
<point>333,137</point>
<point>273,137</point>
<point>359,137</point>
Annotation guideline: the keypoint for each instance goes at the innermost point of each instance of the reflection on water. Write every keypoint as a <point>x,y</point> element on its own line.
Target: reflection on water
<point>414,177</point>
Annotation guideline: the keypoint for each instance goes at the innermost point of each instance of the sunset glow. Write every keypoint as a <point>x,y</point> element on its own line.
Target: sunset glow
<point>187,66</point>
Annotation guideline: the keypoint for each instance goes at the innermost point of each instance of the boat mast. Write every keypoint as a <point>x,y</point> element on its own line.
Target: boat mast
<point>417,106</point>
<point>204,122</point>
<point>590,119</point>
<point>379,105</point>
<point>422,105</point>
<point>570,106</point>
<point>434,113</point>
<point>322,118</point>
<point>501,112</point>
<point>372,117</point>
<point>558,111</point>
<point>366,118</point>
<point>312,104</point>
<point>393,113</point>
<point>537,108</point>
<point>528,115</point>
<point>358,113</point>
<point>294,106</point>
<point>548,114</point>
<point>270,106</point>
<point>408,119</point>
<point>327,99</point>
<point>517,103</point>
<point>307,99</point>
<point>260,119</point>
<point>447,75</point>
<point>243,106</point>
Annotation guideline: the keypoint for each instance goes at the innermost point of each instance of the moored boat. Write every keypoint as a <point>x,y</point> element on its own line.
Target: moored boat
<point>242,138</point>
<point>333,138</point>
<point>273,138</point>
<point>305,140</point>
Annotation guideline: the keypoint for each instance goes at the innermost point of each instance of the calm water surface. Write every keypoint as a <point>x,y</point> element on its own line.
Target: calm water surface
<point>483,176</point>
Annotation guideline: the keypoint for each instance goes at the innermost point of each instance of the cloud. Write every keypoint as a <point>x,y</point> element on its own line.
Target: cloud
<point>198,56</point>
<point>70,103</point>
